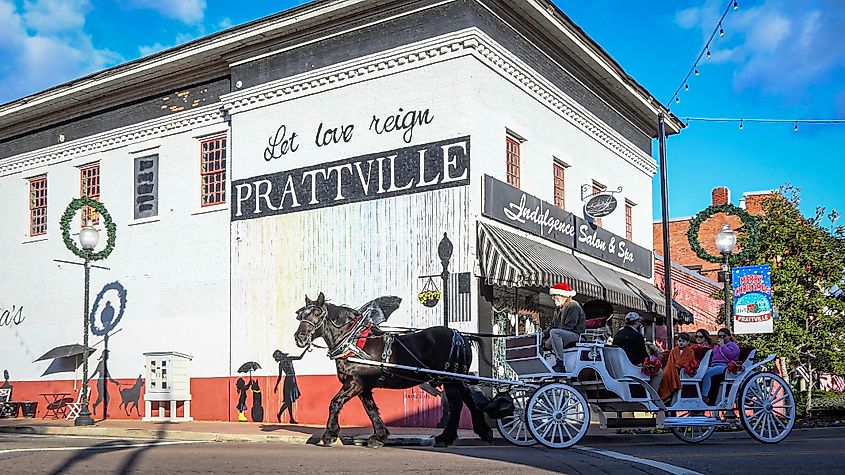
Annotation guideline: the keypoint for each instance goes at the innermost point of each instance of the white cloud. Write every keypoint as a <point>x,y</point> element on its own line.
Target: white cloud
<point>50,16</point>
<point>186,11</point>
<point>779,47</point>
<point>36,59</point>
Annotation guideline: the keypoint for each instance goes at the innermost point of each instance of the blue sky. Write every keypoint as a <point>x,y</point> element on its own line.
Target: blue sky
<point>778,59</point>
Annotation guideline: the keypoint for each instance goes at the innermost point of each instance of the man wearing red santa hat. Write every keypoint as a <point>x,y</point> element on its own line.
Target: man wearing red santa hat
<point>568,323</point>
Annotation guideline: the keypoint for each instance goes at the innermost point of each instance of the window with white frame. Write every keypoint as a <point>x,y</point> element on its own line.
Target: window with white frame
<point>89,185</point>
<point>38,206</point>
<point>213,171</point>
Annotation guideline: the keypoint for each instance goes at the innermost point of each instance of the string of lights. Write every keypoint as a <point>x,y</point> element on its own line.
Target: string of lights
<point>705,52</point>
<point>742,121</point>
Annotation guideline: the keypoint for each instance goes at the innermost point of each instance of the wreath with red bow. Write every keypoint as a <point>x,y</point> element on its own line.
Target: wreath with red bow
<point>651,366</point>
<point>735,368</point>
<point>691,368</point>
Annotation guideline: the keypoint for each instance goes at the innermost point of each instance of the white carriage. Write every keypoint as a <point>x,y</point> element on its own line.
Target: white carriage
<point>554,408</point>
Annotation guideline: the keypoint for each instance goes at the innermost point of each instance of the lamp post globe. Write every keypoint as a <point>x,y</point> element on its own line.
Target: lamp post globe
<point>88,237</point>
<point>725,242</point>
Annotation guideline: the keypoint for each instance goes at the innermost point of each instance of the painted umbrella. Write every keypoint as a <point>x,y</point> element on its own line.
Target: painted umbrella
<point>65,351</point>
<point>249,367</point>
<point>379,309</point>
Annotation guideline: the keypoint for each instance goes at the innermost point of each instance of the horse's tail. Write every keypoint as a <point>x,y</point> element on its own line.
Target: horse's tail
<point>482,350</point>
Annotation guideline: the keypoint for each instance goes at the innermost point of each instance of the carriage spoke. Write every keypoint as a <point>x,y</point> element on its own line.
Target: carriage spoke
<point>565,428</point>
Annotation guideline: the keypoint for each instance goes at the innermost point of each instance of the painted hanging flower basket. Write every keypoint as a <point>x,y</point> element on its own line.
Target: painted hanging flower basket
<point>430,298</point>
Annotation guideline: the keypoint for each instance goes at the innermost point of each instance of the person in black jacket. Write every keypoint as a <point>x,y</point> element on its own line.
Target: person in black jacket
<point>631,340</point>
<point>568,324</point>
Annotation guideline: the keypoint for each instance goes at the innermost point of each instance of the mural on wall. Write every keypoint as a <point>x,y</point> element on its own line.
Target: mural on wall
<point>241,388</point>
<point>131,395</point>
<point>244,388</point>
<point>11,316</point>
<point>102,384</point>
<point>104,323</point>
<point>6,410</point>
<point>290,390</point>
<point>414,169</point>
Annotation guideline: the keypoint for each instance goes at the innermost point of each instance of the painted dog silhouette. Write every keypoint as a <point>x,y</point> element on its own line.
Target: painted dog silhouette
<point>131,396</point>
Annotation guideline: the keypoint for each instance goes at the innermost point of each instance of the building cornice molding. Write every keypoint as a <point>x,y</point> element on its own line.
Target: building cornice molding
<point>113,139</point>
<point>470,42</point>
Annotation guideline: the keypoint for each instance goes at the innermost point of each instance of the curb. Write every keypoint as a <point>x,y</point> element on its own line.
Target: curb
<point>171,435</point>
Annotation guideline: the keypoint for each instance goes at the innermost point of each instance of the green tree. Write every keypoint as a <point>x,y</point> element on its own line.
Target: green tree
<point>807,260</point>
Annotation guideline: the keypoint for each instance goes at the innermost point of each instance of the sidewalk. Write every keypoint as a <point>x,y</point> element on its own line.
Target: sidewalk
<point>225,431</point>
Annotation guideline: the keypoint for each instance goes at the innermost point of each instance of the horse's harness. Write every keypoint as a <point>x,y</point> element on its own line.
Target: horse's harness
<point>355,338</point>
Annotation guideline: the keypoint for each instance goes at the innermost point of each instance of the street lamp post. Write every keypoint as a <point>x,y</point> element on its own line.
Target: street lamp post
<point>88,237</point>
<point>725,242</point>
<point>444,251</point>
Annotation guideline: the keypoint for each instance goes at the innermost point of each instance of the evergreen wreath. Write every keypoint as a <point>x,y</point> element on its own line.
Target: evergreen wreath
<point>111,229</point>
<point>750,228</point>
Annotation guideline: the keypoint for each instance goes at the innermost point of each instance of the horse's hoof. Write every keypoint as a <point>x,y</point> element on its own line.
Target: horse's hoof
<point>328,441</point>
<point>374,442</point>
<point>442,441</point>
<point>487,436</point>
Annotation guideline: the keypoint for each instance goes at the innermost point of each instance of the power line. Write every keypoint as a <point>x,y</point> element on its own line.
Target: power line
<point>704,52</point>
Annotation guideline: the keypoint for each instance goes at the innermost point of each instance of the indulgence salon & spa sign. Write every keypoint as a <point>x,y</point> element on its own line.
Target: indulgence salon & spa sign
<point>406,170</point>
<point>516,208</point>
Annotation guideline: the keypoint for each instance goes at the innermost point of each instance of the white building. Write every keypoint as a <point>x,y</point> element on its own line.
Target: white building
<point>283,158</point>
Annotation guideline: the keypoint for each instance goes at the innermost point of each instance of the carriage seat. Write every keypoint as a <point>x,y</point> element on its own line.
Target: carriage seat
<point>547,344</point>
<point>699,374</point>
<point>618,364</point>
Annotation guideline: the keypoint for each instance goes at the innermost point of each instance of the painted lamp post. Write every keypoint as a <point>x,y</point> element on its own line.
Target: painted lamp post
<point>725,242</point>
<point>88,237</point>
<point>444,251</point>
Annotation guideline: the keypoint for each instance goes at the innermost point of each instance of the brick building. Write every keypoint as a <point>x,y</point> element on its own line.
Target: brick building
<point>693,278</point>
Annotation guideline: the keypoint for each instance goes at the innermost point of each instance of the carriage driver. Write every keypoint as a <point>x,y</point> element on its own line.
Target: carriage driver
<point>568,323</point>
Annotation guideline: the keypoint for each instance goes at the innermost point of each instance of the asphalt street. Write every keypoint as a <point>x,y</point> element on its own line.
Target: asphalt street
<point>805,451</point>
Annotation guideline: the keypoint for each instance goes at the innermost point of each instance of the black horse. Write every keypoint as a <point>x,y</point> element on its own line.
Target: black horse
<point>437,348</point>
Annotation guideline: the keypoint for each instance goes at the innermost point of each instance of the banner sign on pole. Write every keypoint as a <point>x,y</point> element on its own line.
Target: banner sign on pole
<point>752,297</point>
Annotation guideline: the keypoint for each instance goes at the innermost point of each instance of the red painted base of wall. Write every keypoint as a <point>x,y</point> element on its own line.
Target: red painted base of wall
<point>215,399</point>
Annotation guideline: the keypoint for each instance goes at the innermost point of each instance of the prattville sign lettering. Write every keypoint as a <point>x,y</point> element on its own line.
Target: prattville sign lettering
<point>509,205</point>
<point>407,170</point>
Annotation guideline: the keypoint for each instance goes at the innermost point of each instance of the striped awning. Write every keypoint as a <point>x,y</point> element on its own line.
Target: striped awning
<point>510,260</point>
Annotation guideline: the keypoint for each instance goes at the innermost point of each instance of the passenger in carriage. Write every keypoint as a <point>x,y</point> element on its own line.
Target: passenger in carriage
<point>568,323</point>
<point>679,357</point>
<point>631,340</point>
<point>701,343</point>
<point>724,352</point>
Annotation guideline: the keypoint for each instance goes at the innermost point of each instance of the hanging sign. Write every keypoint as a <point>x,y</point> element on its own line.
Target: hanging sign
<point>600,205</point>
<point>752,294</point>
<point>516,208</point>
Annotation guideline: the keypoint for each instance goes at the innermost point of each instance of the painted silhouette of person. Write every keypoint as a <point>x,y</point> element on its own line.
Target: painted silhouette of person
<point>7,384</point>
<point>105,377</point>
<point>290,390</point>
<point>242,388</point>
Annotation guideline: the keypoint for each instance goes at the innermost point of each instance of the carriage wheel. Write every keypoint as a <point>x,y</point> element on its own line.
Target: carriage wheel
<point>557,415</point>
<point>513,428</point>
<point>767,407</point>
<point>692,434</point>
